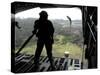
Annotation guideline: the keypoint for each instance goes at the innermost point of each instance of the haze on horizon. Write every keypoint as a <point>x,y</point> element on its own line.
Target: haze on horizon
<point>53,13</point>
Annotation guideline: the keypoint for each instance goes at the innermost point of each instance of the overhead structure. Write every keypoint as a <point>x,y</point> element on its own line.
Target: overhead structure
<point>22,6</point>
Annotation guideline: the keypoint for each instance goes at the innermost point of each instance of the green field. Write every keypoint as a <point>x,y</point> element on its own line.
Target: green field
<point>61,44</point>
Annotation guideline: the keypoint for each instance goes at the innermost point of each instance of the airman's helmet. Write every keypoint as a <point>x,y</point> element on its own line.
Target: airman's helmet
<point>43,13</point>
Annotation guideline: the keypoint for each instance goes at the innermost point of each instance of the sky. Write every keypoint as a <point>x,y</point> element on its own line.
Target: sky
<point>53,13</point>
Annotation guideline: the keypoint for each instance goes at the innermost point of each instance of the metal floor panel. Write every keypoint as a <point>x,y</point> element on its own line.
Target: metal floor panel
<point>25,64</point>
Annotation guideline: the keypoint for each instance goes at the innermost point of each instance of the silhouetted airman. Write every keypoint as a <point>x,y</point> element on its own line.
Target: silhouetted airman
<point>44,31</point>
